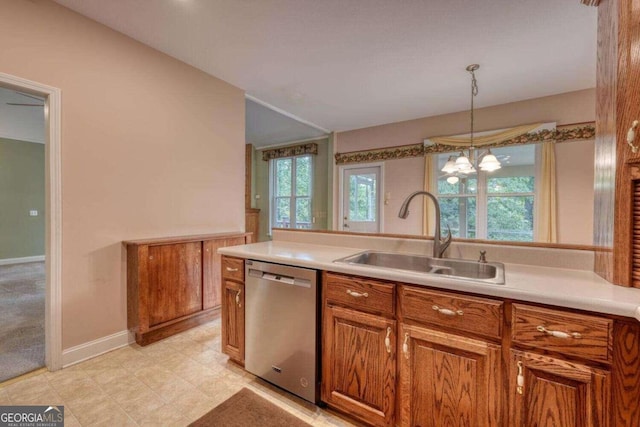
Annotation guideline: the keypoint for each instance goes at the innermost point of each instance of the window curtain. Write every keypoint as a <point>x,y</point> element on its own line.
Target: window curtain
<point>429,213</point>
<point>479,141</point>
<point>545,212</point>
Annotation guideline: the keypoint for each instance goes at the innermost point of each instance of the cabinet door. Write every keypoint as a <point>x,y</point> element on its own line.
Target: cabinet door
<point>233,320</point>
<point>212,281</point>
<point>448,380</point>
<point>359,364</point>
<point>175,281</point>
<point>554,392</point>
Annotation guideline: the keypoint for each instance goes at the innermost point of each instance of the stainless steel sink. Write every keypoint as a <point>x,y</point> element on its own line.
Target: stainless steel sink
<point>492,272</point>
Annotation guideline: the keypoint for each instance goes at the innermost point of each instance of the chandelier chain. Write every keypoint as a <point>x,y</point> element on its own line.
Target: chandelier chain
<point>474,92</point>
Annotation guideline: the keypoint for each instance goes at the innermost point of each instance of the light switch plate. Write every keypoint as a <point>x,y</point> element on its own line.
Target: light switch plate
<point>33,213</point>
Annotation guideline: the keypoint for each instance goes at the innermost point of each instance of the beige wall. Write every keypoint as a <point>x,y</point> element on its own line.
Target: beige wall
<point>575,183</point>
<point>150,147</point>
<point>575,186</point>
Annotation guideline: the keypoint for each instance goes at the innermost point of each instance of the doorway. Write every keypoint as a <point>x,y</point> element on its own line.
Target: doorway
<point>31,272</point>
<point>360,198</point>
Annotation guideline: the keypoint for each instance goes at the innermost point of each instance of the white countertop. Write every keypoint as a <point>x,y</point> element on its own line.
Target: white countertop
<point>577,289</point>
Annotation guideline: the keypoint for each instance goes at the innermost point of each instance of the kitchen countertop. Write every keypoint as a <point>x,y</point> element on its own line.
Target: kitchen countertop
<point>577,289</point>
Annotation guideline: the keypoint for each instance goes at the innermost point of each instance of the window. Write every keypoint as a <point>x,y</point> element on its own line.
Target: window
<point>291,192</point>
<point>495,205</point>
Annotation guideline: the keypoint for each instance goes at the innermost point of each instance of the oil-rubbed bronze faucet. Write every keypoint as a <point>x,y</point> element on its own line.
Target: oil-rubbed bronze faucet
<point>483,257</point>
<point>439,245</point>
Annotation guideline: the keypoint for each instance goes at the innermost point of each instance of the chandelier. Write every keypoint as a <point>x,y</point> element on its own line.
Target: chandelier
<point>465,164</point>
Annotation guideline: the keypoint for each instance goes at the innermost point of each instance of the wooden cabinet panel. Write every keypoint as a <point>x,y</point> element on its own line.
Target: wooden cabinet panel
<point>481,316</point>
<point>362,294</point>
<point>359,364</point>
<point>233,320</point>
<point>175,277</point>
<point>173,283</point>
<point>588,337</point>
<point>448,380</point>
<point>211,272</point>
<point>233,268</point>
<point>555,392</point>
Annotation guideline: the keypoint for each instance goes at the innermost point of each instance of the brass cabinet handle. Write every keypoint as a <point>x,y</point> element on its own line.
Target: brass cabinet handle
<point>238,298</point>
<point>520,378</point>
<point>232,270</point>
<point>559,334</point>
<point>387,340</point>
<point>448,312</point>
<point>405,345</point>
<point>357,294</point>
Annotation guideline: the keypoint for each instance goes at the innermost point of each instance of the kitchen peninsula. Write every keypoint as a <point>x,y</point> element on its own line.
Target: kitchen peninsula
<point>552,342</point>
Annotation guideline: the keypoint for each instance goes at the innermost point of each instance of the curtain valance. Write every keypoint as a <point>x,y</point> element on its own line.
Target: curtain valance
<point>293,150</point>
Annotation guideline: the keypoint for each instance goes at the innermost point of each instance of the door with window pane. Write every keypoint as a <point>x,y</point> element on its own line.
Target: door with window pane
<point>292,184</point>
<point>361,199</point>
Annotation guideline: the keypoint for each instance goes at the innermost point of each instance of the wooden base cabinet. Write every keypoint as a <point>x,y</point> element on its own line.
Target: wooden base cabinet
<point>465,360</point>
<point>448,380</point>
<point>233,308</point>
<point>547,391</point>
<point>174,283</point>
<point>359,347</point>
<point>359,364</point>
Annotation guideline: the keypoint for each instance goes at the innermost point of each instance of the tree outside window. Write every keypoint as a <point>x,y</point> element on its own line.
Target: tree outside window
<point>291,192</point>
<point>495,205</point>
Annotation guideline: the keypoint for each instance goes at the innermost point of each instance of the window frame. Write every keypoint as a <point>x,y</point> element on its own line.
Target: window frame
<point>482,194</point>
<point>293,197</point>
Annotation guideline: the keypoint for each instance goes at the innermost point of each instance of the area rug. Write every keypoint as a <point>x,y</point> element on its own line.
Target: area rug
<point>247,409</point>
<point>22,292</point>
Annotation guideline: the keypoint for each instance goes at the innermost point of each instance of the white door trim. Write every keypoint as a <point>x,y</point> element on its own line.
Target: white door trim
<point>53,214</point>
<point>341,170</point>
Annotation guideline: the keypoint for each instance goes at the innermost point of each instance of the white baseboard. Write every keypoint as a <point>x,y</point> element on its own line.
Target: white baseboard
<point>22,260</point>
<point>94,348</point>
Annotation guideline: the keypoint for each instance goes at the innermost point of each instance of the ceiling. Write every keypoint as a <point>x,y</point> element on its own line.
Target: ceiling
<point>21,122</point>
<point>347,64</point>
<point>265,127</point>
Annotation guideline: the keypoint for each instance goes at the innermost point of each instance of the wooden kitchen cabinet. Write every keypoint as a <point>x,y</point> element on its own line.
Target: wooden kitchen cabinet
<point>448,380</point>
<point>211,273</point>
<point>174,283</point>
<point>450,374</point>
<point>555,392</point>
<point>359,348</point>
<point>232,271</point>
<point>359,364</point>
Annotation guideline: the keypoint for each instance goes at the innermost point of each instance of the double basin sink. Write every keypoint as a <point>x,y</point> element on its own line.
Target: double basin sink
<point>490,272</point>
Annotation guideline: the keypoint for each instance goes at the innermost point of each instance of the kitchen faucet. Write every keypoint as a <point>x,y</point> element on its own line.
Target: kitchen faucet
<point>439,245</point>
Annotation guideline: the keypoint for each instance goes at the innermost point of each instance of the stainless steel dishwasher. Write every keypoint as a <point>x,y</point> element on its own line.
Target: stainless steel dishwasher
<point>281,326</point>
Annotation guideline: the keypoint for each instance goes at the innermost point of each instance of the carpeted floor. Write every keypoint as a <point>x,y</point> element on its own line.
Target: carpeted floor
<point>22,293</point>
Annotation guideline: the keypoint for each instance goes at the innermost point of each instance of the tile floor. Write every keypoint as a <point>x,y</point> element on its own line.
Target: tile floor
<point>169,383</point>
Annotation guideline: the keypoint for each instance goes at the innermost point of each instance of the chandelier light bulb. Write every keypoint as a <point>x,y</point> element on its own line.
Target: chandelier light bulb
<point>453,180</point>
<point>490,163</point>
<point>450,166</point>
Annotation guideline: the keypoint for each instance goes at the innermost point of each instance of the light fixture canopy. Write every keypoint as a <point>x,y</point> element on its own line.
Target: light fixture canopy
<point>465,164</point>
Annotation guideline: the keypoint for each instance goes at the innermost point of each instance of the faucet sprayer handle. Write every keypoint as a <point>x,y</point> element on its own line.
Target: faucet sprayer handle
<point>448,237</point>
<point>444,243</point>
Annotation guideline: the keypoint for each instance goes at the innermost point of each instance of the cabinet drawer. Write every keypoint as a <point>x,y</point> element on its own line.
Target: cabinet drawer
<point>589,337</point>
<point>360,293</point>
<point>233,268</point>
<point>470,314</point>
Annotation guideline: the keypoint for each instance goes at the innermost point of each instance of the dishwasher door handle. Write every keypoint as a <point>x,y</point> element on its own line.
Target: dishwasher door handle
<point>278,278</point>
